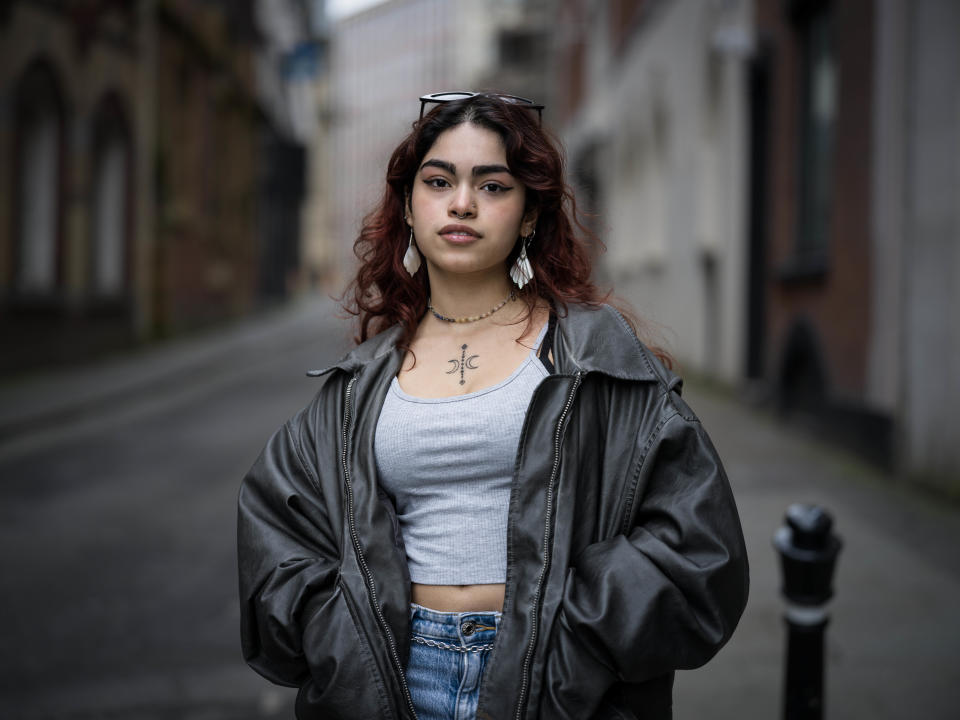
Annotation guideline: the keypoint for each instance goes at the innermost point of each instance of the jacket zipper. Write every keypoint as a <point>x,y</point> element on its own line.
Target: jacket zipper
<point>367,576</point>
<point>547,531</point>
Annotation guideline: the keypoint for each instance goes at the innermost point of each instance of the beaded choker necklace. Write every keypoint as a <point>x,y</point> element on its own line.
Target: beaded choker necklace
<point>472,318</point>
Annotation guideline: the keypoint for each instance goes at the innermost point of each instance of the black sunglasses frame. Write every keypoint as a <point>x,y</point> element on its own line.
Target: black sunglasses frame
<point>452,95</point>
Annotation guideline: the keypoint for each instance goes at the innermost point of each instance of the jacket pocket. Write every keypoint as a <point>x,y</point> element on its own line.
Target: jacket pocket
<point>650,700</point>
<point>345,682</point>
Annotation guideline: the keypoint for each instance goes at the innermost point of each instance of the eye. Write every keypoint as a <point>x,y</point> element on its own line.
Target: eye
<point>494,187</point>
<point>436,182</point>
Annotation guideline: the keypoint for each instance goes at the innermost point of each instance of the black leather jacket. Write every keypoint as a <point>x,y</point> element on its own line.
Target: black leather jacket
<point>625,557</point>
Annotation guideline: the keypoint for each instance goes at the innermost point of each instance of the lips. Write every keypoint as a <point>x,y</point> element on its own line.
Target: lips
<point>459,233</point>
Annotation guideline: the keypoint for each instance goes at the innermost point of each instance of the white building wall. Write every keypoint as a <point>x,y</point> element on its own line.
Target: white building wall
<point>931,243</point>
<point>914,359</point>
<point>671,118</point>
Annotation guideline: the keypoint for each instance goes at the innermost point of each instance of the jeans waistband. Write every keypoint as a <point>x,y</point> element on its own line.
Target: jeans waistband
<point>460,629</point>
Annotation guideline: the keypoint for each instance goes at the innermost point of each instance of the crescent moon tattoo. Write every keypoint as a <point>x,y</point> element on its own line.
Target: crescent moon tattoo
<point>463,364</point>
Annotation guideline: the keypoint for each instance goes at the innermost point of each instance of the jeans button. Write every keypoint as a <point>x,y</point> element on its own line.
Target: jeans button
<point>468,628</point>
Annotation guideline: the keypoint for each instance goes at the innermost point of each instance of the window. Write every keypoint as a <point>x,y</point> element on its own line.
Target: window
<point>818,128</point>
<point>37,183</point>
<point>110,201</point>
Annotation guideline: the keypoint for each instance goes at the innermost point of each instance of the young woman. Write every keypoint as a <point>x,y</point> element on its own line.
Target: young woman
<point>497,505</point>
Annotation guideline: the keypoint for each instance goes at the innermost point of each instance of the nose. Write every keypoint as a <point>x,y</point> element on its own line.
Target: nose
<point>461,203</point>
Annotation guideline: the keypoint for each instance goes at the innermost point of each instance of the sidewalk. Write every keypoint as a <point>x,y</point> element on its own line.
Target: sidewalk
<point>53,398</point>
<point>893,643</point>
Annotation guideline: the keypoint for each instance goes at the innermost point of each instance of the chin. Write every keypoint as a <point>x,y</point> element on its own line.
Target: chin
<point>468,266</point>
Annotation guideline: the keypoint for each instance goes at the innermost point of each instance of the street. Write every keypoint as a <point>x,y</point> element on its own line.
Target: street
<point>119,586</point>
<point>117,540</point>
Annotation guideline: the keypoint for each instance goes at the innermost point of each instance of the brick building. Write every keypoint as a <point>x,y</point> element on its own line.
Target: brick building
<point>816,60</point>
<point>137,179</point>
<point>857,223</point>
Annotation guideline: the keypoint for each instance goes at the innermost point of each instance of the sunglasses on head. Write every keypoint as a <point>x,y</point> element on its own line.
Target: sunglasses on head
<point>450,96</point>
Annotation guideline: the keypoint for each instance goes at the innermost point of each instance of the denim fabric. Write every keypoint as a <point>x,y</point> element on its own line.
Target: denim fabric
<point>448,653</point>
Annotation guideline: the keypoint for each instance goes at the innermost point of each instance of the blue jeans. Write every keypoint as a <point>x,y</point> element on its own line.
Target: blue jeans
<point>448,653</point>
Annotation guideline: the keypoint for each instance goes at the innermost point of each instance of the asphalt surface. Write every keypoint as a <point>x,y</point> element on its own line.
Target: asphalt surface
<point>117,523</point>
<point>118,592</point>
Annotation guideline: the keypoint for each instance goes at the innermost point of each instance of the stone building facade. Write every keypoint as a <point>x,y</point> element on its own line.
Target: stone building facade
<point>132,185</point>
<point>70,251</point>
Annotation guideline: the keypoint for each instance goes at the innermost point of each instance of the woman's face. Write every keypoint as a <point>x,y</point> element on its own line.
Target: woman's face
<point>466,209</point>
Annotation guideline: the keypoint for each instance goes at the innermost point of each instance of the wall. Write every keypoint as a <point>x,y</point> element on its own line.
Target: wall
<point>931,245</point>
<point>660,121</point>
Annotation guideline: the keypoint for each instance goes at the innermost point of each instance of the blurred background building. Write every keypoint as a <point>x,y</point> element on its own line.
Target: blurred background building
<point>858,223</point>
<point>155,166</point>
<point>777,182</point>
<point>651,103</point>
<point>292,78</point>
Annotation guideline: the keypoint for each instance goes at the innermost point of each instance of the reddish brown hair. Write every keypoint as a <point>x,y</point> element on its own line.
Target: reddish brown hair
<point>383,293</point>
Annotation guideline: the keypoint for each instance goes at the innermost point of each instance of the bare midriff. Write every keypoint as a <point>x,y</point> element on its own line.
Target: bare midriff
<point>459,598</point>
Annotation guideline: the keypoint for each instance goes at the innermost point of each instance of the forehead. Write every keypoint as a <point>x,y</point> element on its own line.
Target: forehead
<point>468,145</point>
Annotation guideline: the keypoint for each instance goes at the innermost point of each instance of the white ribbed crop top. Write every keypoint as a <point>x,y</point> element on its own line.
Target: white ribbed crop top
<point>448,465</point>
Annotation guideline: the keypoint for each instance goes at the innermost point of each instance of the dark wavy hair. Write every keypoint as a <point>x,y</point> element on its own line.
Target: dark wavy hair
<point>383,293</point>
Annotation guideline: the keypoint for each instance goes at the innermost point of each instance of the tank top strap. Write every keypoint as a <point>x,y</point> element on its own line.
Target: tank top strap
<point>540,336</point>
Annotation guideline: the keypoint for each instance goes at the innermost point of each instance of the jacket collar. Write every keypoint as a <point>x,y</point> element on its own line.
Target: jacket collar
<point>370,351</point>
<point>598,339</point>
<point>588,339</point>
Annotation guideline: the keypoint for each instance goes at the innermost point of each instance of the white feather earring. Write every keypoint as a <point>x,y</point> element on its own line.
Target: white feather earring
<point>411,258</point>
<point>522,271</point>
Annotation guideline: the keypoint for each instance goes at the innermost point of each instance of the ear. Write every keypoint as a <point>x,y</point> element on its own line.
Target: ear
<point>529,222</point>
<point>407,209</point>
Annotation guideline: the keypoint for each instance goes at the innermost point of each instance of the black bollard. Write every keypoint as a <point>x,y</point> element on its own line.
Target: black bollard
<point>808,553</point>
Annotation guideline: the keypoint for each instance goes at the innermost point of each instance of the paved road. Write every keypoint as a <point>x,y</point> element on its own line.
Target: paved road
<point>116,542</point>
<point>118,592</point>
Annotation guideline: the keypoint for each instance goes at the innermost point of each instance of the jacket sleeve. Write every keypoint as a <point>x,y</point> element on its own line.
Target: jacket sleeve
<point>286,555</point>
<point>666,594</point>
<point>296,623</point>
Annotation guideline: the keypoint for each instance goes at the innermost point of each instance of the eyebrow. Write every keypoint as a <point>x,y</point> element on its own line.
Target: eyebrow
<point>478,170</point>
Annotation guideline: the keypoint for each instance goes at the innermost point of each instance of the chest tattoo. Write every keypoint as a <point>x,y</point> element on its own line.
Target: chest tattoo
<point>466,362</point>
